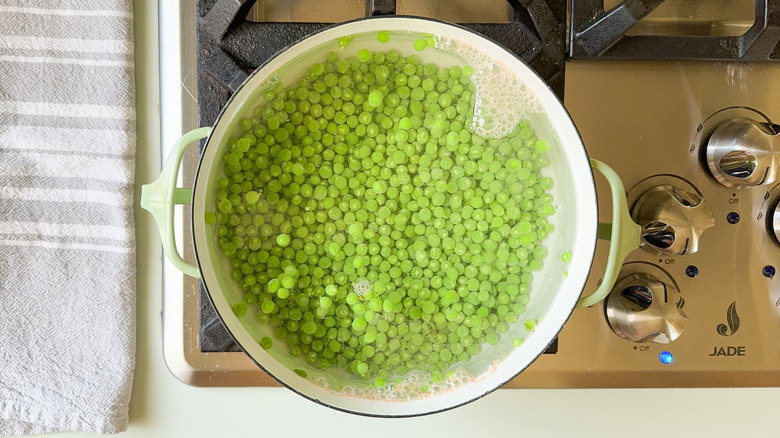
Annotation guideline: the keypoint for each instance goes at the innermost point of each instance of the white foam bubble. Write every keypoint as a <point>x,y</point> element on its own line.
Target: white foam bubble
<point>501,98</point>
<point>362,286</point>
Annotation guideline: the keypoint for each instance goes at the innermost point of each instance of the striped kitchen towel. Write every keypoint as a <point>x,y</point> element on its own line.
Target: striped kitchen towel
<point>67,248</point>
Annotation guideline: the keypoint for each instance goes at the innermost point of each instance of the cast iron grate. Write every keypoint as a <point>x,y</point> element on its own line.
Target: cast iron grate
<point>599,34</point>
<point>230,47</point>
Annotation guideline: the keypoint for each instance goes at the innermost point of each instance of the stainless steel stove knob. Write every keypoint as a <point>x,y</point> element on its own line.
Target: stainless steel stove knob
<point>672,220</point>
<point>641,309</point>
<point>775,231</point>
<point>743,152</point>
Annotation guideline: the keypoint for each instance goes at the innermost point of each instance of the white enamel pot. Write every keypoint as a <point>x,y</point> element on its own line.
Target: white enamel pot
<point>554,294</point>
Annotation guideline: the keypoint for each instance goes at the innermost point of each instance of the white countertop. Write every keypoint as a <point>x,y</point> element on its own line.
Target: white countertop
<point>162,406</point>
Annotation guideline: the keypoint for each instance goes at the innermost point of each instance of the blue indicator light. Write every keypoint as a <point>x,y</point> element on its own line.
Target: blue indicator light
<point>769,271</point>
<point>732,217</point>
<point>665,357</point>
<point>692,271</point>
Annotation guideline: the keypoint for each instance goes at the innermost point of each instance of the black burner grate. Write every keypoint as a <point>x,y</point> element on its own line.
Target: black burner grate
<point>230,47</point>
<point>599,34</point>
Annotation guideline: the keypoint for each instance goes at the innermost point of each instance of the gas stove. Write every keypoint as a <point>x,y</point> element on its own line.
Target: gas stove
<point>659,90</point>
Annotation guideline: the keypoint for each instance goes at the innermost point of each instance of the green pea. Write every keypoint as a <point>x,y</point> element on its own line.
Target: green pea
<point>375,99</point>
<point>364,55</point>
<point>283,240</point>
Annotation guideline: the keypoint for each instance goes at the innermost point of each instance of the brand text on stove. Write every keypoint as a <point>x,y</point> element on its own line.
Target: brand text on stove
<point>728,351</point>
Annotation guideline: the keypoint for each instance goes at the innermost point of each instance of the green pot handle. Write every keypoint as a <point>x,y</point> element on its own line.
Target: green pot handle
<point>623,234</point>
<point>159,197</point>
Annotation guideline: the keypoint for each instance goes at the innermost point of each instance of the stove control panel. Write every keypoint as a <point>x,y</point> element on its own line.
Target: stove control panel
<point>698,305</point>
